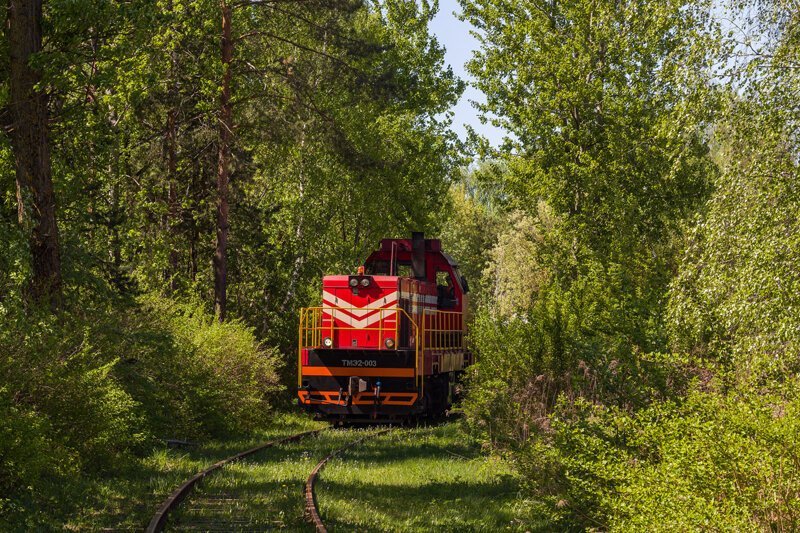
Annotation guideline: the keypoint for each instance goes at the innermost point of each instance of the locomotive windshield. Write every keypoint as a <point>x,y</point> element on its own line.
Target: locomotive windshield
<point>377,268</point>
<point>380,267</point>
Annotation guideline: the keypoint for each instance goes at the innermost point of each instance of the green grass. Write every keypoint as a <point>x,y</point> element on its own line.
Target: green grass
<point>263,492</point>
<point>422,479</point>
<point>419,479</point>
<point>127,500</point>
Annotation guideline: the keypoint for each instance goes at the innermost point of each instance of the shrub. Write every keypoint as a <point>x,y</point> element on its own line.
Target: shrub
<point>215,375</point>
<point>717,461</point>
<point>52,367</point>
<point>84,391</point>
<point>33,466</point>
<point>525,363</point>
<point>713,461</point>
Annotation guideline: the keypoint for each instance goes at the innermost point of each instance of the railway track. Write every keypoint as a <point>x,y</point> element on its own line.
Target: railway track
<point>169,505</point>
<point>220,501</point>
<point>312,512</point>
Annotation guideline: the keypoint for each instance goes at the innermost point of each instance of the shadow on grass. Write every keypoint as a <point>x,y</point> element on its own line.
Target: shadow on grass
<point>436,506</point>
<point>126,499</point>
<point>425,479</point>
<point>422,479</point>
<point>379,453</point>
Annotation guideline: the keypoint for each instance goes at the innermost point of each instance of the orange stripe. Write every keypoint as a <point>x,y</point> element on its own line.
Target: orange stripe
<point>358,371</point>
<point>362,398</point>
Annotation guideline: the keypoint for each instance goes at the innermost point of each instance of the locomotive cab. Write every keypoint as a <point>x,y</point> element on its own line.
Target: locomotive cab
<point>388,341</point>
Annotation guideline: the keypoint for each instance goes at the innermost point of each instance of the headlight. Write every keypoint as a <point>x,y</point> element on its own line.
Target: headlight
<point>365,282</point>
<point>327,342</point>
<point>389,343</point>
<point>354,282</point>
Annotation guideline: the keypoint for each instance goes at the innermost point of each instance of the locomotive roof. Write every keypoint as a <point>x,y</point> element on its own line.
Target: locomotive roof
<point>431,246</point>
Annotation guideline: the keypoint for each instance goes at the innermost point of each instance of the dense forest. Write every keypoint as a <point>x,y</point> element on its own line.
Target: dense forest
<point>177,175</point>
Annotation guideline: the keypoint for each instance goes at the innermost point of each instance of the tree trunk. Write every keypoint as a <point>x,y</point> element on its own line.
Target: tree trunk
<point>173,209</point>
<point>223,164</point>
<point>31,147</point>
<point>171,149</point>
<point>194,231</point>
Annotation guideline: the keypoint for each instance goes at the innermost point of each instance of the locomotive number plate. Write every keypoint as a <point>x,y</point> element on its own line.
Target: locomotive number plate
<point>359,362</point>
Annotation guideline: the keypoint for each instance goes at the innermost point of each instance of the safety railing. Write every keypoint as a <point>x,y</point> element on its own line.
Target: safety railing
<point>443,330</point>
<point>317,323</point>
<point>438,331</point>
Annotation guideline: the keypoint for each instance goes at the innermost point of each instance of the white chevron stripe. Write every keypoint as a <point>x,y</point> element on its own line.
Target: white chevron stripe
<point>331,300</point>
<point>356,317</point>
<point>356,323</point>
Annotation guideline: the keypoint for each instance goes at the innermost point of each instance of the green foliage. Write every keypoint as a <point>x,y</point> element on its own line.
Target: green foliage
<point>85,392</point>
<point>472,220</point>
<point>729,461</point>
<point>606,103</point>
<point>589,281</point>
<point>341,137</point>
<point>34,467</point>
<point>735,297</point>
<point>213,378</point>
<point>527,363</point>
<point>572,236</point>
<point>64,371</point>
<point>711,461</point>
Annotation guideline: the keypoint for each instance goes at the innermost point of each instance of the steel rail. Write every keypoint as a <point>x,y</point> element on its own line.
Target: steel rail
<point>160,518</point>
<point>312,513</point>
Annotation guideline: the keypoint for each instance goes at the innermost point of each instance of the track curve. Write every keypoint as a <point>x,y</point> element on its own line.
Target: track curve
<point>159,520</point>
<point>312,513</point>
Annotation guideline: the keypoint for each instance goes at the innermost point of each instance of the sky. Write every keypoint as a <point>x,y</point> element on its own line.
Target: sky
<point>454,35</point>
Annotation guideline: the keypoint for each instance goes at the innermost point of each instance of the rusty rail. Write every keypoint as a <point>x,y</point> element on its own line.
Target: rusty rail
<point>312,513</point>
<point>160,518</point>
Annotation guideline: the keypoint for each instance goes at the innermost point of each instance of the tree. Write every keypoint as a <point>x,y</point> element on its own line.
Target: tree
<point>223,164</point>
<point>31,145</point>
<point>335,124</point>
<point>606,104</point>
<point>732,303</point>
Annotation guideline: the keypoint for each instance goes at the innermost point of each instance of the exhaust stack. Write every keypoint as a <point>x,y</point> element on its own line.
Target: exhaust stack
<point>418,255</point>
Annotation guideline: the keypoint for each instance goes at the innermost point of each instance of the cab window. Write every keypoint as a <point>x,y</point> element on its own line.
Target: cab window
<point>404,269</point>
<point>377,268</point>
<point>380,267</point>
<point>445,290</point>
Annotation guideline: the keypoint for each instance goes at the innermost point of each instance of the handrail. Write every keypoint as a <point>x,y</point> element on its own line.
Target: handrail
<point>442,332</point>
<point>308,314</point>
<point>439,326</point>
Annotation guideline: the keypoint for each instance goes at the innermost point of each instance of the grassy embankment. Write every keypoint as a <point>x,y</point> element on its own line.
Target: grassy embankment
<point>419,479</point>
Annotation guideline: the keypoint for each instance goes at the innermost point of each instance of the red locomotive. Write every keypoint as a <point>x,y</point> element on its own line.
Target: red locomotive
<point>388,342</point>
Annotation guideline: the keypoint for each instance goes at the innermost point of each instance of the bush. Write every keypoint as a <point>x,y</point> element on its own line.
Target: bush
<point>525,363</point>
<point>713,461</point>
<point>717,461</point>
<point>85,391</point>
<point>33,466</point>
<point>215,377</point>
<point>54,368</point>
